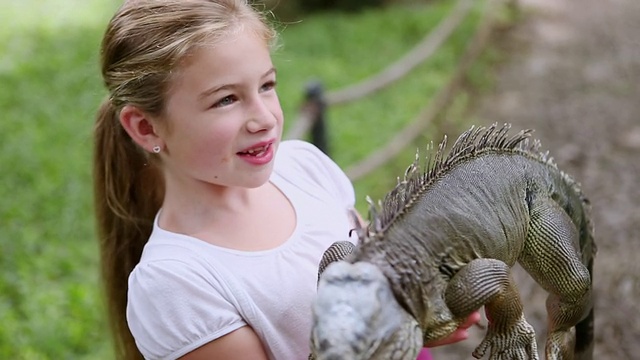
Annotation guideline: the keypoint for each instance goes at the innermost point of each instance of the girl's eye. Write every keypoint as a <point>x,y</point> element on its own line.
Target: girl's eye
<point>225,101</point>
<point>269,85</point>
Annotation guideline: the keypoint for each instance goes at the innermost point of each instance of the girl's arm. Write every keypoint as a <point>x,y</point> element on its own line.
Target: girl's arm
<point>242,343</point>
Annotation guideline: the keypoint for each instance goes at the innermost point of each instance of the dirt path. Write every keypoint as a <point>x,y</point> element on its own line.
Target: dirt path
<point>574,76</point>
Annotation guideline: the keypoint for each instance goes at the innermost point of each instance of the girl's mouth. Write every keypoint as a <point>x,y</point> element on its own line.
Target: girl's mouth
<point>257,152</point>
<point>259,155</point>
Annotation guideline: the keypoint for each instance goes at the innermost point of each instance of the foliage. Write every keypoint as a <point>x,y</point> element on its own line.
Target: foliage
<point>50,297</point>
<point>345,5</point>
<point>298,9</point>
<point>293,10</point>
<point>50,304</point>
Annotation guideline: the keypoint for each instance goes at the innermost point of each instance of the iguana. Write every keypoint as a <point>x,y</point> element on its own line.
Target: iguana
<point>441,244</point>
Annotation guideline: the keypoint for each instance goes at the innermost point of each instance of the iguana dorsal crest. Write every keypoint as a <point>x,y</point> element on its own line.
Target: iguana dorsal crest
<point>418,177</point>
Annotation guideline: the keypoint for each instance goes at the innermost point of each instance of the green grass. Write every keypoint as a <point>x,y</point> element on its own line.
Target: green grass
<point>50,303</point>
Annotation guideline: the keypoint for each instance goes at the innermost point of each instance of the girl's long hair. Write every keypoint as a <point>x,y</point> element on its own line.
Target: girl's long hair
<point>142,50</point>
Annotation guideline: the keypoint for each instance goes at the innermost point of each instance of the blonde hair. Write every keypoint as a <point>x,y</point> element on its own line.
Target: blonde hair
<point>142,50</point>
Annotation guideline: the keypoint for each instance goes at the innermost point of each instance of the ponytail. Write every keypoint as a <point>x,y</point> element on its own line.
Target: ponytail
<point>128,190</point>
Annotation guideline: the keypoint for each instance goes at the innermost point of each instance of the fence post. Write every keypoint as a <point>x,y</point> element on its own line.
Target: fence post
<point>314,92</point>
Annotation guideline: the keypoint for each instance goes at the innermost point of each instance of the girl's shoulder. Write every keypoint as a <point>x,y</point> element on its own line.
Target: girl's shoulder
<point>302,162</point>
<point>302,153</point>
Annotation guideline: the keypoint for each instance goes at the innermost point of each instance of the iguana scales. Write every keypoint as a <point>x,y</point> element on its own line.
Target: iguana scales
<point>441,244</point>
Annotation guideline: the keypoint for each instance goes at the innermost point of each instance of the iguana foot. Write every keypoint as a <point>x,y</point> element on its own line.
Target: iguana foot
<point>516,343</point>
<point>559,345</point>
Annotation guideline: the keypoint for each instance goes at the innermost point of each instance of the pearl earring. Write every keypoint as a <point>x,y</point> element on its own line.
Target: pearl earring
<point>156,149</point>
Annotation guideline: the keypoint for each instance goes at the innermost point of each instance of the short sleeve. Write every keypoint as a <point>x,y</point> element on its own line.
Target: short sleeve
<point>321,169</point>
<point>174,307</point>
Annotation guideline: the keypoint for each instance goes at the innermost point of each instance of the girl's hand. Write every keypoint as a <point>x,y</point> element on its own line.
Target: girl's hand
<point>460,334</point>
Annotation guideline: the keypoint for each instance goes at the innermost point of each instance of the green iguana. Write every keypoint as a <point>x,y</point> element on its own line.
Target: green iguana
<point>441,244</point>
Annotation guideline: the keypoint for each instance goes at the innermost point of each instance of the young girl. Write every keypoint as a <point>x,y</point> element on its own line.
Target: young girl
<point>211,229</point>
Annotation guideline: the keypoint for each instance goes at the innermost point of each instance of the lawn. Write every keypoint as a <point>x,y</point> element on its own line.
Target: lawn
<point>50,301</point>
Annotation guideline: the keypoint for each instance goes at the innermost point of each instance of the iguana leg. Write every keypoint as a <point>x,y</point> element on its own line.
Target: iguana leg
<point>488,282</point>
<point>551,258</point>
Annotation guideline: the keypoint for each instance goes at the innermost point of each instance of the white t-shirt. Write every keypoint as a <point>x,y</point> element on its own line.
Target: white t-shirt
<point>185,292</point>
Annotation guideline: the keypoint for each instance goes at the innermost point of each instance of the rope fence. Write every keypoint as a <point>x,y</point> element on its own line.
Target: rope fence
<point>311,117</point>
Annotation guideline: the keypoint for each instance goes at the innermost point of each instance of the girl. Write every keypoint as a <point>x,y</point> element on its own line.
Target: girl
<point>210,228</point>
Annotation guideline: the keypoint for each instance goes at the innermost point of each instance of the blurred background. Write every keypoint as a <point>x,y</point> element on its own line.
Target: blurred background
<point>382,78</point>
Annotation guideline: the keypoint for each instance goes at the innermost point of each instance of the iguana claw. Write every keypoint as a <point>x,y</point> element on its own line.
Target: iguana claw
<point>559,346</point>
<point>517,343</point>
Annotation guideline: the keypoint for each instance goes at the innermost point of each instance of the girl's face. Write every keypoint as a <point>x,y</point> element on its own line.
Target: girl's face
<point>223,116</point>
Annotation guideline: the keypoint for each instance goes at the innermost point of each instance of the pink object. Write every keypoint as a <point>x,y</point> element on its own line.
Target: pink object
<point>424,355</point>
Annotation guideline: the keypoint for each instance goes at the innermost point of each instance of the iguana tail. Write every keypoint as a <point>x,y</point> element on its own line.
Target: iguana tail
<point>584,345</point>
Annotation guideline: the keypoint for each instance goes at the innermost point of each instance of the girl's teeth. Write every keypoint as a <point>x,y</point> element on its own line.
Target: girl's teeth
<point>256,151</point>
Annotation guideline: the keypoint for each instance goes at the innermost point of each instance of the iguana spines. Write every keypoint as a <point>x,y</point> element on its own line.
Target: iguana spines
<point>473,143</point>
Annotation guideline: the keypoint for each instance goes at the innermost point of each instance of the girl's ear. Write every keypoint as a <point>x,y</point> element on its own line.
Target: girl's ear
<point>140,128</point>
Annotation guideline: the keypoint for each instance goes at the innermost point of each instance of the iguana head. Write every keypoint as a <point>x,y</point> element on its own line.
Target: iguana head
<point>356,316</point>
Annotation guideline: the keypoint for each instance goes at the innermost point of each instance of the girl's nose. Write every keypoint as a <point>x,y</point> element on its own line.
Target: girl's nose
<point>262,117</point>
